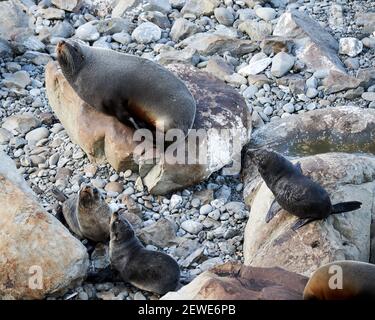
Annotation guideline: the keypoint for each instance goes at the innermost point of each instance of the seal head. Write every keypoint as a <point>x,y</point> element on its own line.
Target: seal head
<point>120,228</point>
<point>70,57</point>
<point>271,165</point>
<point>89,197</point>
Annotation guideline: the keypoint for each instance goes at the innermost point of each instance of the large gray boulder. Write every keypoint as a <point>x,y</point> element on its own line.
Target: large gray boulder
<point>314,44</point>
<point>317,48</point>
<point>38,255</point>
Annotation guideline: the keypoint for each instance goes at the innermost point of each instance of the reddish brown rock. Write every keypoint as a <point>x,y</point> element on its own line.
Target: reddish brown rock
<point>238,282</point>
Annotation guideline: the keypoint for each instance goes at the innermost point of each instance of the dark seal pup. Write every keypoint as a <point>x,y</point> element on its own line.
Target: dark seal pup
<point>145,269</point>
<point>342,280</point>
<point>132,89</point>
<point>86,214</point>
<point>293,191</point>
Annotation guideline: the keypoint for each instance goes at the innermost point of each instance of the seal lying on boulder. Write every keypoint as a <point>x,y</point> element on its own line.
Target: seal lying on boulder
<point>147,270</point>
<point>132,89</point>
<point>295,192</point>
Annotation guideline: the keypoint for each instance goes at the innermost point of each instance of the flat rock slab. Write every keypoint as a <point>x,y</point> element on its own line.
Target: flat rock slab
<point>211,44</point>
<point>346,177</point>
<point>38,255</point>
<point>102,137</point>
<point>238,282</point>
<point>314,45</point>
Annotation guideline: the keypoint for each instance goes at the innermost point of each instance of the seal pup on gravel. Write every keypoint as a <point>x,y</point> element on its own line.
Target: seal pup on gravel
<point>132,89</point>
<point>342,280</point>
<point>145,269</point>
<point>87,214</point>
<point>293,191</point>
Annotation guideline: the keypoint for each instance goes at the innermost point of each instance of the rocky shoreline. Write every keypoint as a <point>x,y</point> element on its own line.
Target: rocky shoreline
<point>297,69</point>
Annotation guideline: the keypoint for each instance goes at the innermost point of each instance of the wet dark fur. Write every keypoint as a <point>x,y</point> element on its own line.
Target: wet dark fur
<point>148,270</point>
<point>127,86</point>
<point>293,191</point>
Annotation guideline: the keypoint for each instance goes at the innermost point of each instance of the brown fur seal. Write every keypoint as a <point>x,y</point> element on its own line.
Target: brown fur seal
<point>293,191</point>
<point>127,87</point>
<point>342,280</point>
<point>147,270</point>
<point>88,215</point>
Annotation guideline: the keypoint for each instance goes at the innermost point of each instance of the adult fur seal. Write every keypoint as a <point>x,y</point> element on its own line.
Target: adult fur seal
<point>87,214</point>
<point>148,270</point>
<point>293,191</point>
<point>342,280</point>
<point>127,87</point>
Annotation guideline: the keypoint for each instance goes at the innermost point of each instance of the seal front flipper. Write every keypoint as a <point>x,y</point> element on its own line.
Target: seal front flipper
<point>302,222</point>
<point>60,197</point>
<point>298,167</point>
<point>274,209</point>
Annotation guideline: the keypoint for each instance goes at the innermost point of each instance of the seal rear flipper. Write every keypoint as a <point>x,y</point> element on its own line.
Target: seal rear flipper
<point>274,209</point>
<point>346,207</point>
<point>302,222</point>
<point>104,275</point>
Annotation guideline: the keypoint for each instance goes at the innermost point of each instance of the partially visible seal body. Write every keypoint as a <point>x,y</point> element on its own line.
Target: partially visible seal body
<point>342,280</point>
<point>88,215</point>
<point>295,192</point>
<point>147,270</point>
<point>127,87</point>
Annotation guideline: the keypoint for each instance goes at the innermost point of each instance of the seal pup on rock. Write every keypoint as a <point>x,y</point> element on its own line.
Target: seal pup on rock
<point>130,88</point>
<point>86,213</point>
<point>145,269</point>
<point>295,192</point>
<point>342,280</point>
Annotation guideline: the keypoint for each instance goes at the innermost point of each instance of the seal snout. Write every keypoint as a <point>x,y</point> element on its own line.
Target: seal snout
<point>88,195</point>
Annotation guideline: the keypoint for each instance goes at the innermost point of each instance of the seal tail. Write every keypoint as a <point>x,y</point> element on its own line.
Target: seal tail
<point>346,207</point>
